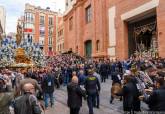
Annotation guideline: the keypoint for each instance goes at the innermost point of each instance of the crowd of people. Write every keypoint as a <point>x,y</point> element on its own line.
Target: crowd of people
<point>133,80</point>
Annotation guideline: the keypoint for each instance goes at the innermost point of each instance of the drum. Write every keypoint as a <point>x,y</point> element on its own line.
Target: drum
<point>116,88</point>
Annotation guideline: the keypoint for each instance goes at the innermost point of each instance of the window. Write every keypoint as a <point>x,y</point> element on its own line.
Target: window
<point>88,11</point>
<point>50,40</point>
<point>41,40</point>
<point>50,20</point>
<point>29,17</point>
<point>29,25</point>
<point>60,33</point>
<point>50,48</point>
<point>32,17</point>
<point>66,3</point>
<point>70,23</point>
<point>76,49</point>
<point>97,45</point>
<point>63,46</point>
<point>50,31</point>
<point>42,20</point>
<point>42,31</point>
<point>58,47</point>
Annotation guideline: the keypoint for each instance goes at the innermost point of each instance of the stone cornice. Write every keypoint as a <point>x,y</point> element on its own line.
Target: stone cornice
<point>77,4</point>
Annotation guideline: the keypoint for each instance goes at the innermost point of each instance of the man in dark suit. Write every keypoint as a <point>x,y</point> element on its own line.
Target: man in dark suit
<point>130,96</point>
<point>103,71</point>
<point>75,94</point>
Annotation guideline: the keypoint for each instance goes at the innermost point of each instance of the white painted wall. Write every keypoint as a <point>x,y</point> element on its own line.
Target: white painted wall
<point>70,5</point>
<point>112,31</point>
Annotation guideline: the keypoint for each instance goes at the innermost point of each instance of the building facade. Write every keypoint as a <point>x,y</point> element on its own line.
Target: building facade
<point>40,27</point>
<point>60,36</point>
<point>85,27</point>
<point>135,25</point>
<point>3,18</point>
<point>115,28</point>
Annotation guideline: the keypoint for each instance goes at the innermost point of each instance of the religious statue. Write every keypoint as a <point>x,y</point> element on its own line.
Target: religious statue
<point>19,35</point>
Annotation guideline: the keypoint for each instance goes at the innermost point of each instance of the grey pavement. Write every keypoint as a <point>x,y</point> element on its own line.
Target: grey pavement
<point>60,106</point>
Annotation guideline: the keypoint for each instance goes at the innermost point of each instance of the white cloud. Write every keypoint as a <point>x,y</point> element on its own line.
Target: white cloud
<point>15,8</point>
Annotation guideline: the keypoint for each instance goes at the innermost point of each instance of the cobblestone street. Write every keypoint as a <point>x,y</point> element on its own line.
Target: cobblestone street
<point>60,106</point>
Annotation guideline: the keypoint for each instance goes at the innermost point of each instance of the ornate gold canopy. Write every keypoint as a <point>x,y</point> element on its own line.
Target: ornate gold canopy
<point>21,57</point>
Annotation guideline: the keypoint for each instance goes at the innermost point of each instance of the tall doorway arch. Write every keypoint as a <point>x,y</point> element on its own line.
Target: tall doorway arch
<point>142,37</point>
<point>88,48</point>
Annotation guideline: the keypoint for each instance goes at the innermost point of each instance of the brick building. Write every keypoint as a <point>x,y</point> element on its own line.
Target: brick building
<point>40,27</point>
<point>134,25</point>
<point>114,28</point>
<point>60,36</point>
<point>85,27</point>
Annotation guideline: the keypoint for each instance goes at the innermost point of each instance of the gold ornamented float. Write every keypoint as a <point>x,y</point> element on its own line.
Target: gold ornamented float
<point>21,60</point>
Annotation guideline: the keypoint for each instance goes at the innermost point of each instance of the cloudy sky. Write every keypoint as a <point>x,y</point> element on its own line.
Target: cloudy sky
<point>15,8</point>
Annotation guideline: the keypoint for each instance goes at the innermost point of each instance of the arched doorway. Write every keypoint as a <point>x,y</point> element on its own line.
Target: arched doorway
<point>88,48</point>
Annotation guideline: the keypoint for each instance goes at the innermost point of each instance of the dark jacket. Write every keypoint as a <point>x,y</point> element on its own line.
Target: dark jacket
<point>116,77</point>
<point>103,69</point>
<point>156,101</point>
<point>75,94</point>
<point>5,100</point>
<point>81,78</point>
<point>48,84</point>
<point>130,97</point>
<point>26,104</point>
<point>92,85</point>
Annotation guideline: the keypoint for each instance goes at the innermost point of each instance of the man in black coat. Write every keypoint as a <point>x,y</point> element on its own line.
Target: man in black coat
<point>103,71</point>
<point>48,85</point>
<point>130,96</point>
<point>75,94</point>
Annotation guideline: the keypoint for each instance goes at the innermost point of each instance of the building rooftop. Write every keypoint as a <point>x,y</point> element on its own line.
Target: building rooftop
<point>32,7</point>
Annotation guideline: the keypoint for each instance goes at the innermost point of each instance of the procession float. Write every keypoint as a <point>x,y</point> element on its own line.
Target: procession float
<point>19,53</point>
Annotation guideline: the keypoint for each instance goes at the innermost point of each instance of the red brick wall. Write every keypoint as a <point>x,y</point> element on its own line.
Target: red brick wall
<point>36,36</point>
<point>37,31</point>
<point>46,34</point>
<point>54,34</point>
<point>92,31</point>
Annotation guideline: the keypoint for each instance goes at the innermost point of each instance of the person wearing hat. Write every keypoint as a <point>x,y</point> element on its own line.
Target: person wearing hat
<point>92,86</point>
<point>75,94</point>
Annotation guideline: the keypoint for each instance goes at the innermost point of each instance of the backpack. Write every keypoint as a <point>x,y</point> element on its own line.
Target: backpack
<point>49,82</point>
<point>22,105</point>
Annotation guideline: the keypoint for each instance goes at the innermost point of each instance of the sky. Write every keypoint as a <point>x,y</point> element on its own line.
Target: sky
<point>15,8</point>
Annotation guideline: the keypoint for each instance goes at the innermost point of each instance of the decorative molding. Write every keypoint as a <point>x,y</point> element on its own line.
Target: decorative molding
<point>141,9</point>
